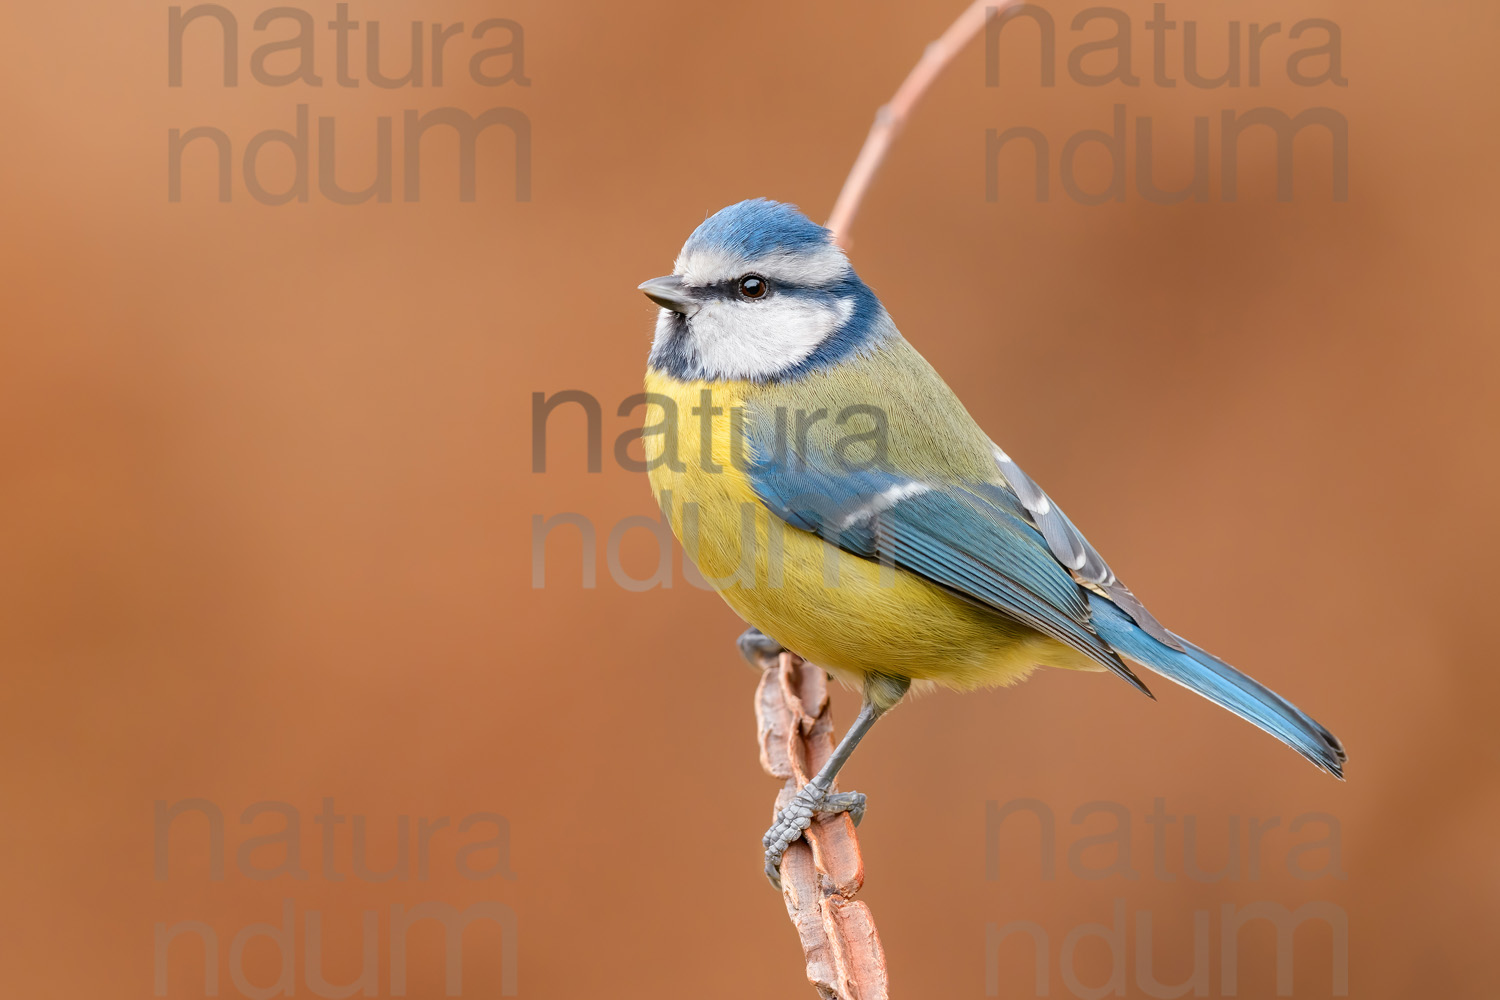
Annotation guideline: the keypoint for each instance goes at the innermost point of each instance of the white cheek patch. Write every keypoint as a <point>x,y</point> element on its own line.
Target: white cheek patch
<point>734,339</point>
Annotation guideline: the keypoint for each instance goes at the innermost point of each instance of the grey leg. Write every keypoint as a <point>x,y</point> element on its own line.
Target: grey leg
<point>814,797</point>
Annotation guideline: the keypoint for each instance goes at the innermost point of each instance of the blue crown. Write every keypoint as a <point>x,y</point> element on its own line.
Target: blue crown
<point>758,227</point>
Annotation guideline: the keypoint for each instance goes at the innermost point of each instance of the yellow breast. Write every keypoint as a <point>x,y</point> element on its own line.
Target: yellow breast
<point>845,613</point>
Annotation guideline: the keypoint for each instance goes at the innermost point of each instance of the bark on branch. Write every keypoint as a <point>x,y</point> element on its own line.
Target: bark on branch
<point>820,873</point>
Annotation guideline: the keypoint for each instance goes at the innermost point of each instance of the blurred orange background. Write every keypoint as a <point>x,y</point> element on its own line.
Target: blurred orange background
<point>266,524</point>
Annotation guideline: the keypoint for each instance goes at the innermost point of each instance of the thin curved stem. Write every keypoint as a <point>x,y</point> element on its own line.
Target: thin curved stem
<point>892,116</point>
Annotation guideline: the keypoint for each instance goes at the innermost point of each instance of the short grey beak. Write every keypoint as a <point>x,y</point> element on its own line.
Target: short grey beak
<point>669,292</point>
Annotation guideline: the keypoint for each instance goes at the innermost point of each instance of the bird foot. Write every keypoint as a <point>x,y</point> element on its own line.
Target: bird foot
<point>759,649</point>
<point>790,823</point>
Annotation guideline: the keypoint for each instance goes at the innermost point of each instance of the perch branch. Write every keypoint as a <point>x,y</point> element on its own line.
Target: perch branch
<point>890,118</point>
<point>821,873</point>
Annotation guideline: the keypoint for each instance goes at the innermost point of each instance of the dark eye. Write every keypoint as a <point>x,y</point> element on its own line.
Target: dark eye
<point>753,286</point>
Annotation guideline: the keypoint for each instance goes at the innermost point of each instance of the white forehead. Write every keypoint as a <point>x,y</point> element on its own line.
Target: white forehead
<point>813,267</point>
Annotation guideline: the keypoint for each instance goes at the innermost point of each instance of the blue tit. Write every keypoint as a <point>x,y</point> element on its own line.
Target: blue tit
<point>834,490</point>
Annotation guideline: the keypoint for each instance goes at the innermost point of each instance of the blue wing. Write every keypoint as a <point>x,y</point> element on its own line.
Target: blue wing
<point>973,539</point>
<point>1004,547</point>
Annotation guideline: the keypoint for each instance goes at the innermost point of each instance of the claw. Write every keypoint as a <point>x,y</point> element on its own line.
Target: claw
<point>853,803</point>
<point>792,821</point>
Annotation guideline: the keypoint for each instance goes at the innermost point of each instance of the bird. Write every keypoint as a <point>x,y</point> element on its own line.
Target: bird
<point>834,490</point>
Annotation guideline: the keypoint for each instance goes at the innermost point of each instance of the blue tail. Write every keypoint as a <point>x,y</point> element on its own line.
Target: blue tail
<point>1221,684</point>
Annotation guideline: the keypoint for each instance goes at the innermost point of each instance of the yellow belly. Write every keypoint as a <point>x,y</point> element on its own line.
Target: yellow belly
<point>842,612</point>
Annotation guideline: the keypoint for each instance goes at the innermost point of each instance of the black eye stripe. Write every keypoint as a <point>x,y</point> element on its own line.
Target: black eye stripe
<point>729,288</point>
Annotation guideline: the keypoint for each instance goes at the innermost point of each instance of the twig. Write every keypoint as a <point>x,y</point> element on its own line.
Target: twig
<point>820,873</point>
<point>889,118</point>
